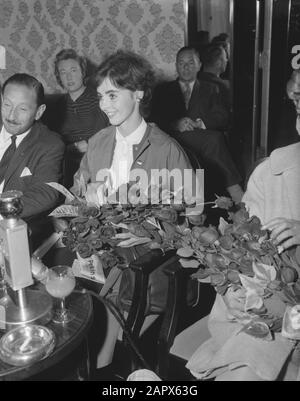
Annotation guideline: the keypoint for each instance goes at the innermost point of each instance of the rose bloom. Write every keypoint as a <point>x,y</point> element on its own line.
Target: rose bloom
<point>88,211</point>
<point>108,260</point>
<point>107,231</point>
<point>84,250</point>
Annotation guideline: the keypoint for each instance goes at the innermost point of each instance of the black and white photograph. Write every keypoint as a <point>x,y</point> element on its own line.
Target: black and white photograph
<point>149,193</point>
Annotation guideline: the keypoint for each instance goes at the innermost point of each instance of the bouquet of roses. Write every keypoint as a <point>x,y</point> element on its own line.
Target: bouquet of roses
<point>108,226</point>
<point>120,222</point>
<point>239,255</point>
<point>98,231</point>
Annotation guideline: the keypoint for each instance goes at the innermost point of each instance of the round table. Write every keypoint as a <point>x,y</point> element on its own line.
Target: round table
<point>69,337</point>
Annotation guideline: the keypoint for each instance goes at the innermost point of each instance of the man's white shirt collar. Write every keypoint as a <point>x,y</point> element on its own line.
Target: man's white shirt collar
<point>5,137</point>
<point>182,85</point>
<point>5,141</point>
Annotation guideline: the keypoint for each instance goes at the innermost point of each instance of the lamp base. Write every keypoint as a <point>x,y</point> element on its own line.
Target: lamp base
<point>38,310</point>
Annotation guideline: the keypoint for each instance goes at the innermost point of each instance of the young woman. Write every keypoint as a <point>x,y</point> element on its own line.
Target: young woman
<point>127,147</point>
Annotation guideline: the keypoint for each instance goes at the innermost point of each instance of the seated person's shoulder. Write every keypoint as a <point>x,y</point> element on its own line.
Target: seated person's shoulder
<point>102,135</point>
<point>91,92</point>
<point>55,106</point>
<point>207,87</point>
<point>289,150</point>
<point>285,157</point>
<point>212,78</point>
<point>260,168</point>
<point>48,136</point>
<point>280,160</point>
<point>225,83</point>
<point>164,86</point>
<point>161,138</point>
<point>157,135</point>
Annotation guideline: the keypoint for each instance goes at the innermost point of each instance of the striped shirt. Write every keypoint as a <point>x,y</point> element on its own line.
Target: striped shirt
<point>82,118</point>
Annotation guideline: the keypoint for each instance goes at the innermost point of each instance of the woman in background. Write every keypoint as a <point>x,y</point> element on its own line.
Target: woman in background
<point>79,114</point>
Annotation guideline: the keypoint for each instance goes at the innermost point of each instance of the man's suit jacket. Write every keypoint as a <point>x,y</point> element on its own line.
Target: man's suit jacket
<point>205,103</point>
<point>223,84</point>
<point>37,160</point>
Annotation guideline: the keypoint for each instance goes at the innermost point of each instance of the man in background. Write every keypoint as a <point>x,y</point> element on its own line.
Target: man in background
<point>214,61</point>
<point>192,112</point>
<point>223,39</point>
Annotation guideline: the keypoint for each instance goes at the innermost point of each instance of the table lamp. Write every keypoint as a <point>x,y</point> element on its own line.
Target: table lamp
<point>21,305</point>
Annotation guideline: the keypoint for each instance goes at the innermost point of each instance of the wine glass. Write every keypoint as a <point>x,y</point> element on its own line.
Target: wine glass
<point>3,291</point>
<point>60,283</point>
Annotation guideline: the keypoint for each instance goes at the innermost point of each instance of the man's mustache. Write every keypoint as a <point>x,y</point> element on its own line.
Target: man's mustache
<point>11,122</point>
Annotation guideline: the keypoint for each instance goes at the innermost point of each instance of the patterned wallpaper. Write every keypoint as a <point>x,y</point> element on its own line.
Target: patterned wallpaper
<point>33,31</point>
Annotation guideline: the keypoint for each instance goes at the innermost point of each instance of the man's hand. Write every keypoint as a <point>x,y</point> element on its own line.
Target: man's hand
<point>81,146</point>
<point>200,124</point>
<point>186,124</point>
<point>284,232</point>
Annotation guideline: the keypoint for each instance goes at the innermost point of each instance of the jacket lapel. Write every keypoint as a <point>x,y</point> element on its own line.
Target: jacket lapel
<point>21,152</point>
<point>143,145</point>
<point>194,94</point>
<point>179,95</point>
<point>108,146</point>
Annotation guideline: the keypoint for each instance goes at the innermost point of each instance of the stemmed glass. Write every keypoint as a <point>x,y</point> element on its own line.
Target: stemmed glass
<point>3,289</point>
<point>3,292</point>
<point>60,283</point>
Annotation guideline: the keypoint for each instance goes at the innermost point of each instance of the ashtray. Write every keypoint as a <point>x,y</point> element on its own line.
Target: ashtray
<point>26,344</point>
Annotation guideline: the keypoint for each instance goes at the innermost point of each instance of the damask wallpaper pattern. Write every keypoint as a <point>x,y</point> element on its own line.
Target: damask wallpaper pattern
<point>33,31</point>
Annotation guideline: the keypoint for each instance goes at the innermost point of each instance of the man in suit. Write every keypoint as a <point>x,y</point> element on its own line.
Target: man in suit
<point>223,40</point>
<point>30,154</point>
<point>192,112</point>
<point>214,61</point>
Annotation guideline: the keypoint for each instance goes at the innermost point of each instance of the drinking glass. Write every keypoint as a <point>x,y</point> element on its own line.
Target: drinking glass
<point>60,283</point>
<point>3,292</point>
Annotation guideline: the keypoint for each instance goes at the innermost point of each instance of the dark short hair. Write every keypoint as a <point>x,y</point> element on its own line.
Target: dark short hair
<point>295,76</point>
<point>222,37</point>
<point>128,70</point>
<point>67,54</point>
<point>30,82</point>
<point>293,81</point>
<point>188,48</point>
<point>212,54</point>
